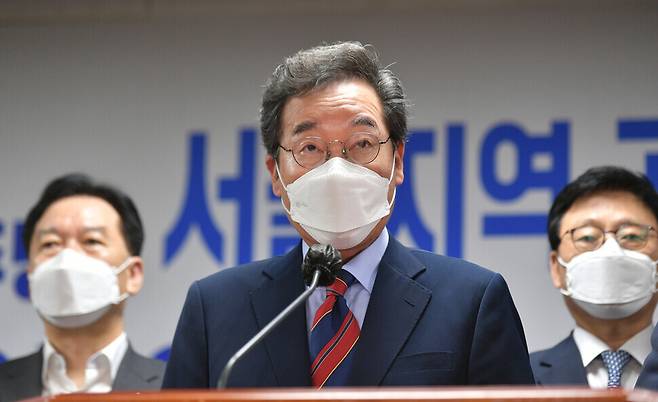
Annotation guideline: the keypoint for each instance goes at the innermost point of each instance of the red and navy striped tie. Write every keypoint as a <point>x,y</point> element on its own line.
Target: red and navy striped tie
<point>334,333</point>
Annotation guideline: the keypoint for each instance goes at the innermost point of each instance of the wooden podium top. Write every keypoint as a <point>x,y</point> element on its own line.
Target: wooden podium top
<point>394,394</point>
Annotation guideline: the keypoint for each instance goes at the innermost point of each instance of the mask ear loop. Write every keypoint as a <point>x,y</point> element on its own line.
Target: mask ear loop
<point>395,188</point>
<point>124,265</point>
<point>655,275</point>
<point>276,165</point>
<point>567,291</point>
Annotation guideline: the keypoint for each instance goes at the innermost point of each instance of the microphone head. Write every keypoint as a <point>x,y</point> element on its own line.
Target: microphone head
<point>323,257</point>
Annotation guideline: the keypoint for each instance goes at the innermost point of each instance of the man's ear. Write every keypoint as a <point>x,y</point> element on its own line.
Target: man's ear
<point>558,272</point>
<point>399,164</point>
<point>135,277</point>
<point>270,162</point>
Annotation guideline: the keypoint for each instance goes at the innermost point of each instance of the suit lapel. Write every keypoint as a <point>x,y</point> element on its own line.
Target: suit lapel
<point>133,374</point>
<point>25,380</point>
<point>563,364</point>
<point>396,304</point>
<point>287,345</point>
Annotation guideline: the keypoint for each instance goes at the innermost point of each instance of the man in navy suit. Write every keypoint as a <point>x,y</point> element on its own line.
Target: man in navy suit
<point>334,125</point>
<point>602,231</point>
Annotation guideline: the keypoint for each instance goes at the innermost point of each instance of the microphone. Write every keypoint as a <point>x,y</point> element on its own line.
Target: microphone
<point>325,259</point>
<point>320,267</point>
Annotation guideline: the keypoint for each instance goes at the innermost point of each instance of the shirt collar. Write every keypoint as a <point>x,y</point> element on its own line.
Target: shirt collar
<point>639,346</point>
<point>114,353</point>
<point>364,265</point>
<point>590,347</point>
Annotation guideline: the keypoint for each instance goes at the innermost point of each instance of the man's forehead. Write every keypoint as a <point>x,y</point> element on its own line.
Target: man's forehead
<point>82,211</point>
<point>362,122</point>
<point>613,207</point>
<point>349,88</point>
<point>353,103</point>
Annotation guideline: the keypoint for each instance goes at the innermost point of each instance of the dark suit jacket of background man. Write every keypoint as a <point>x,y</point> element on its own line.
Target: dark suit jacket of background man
<point>431,320</point>
<point>559,365</point>
<point>649,375</point>
<point>21,378</point>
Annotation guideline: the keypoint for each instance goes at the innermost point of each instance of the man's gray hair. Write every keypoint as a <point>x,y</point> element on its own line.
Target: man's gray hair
<point>322,65</point>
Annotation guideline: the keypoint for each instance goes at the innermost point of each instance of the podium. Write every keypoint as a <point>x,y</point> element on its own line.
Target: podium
<point>388,394</point>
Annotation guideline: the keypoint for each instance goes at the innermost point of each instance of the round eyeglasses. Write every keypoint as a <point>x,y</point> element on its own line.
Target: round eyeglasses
<point>631,236</point>
<point>359,148</point>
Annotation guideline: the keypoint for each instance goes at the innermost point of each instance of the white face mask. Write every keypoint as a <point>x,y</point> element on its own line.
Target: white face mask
<point>339,202</point>
<point>610,282</point>
<point>72,289</point>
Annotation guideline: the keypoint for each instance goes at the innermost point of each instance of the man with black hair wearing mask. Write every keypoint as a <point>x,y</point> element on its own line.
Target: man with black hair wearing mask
<point>602,231</point>
<point>333,123</point>
<point>83,241</point>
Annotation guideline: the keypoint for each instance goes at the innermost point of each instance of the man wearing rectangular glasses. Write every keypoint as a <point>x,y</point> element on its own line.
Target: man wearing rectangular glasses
<point>602,231</point>
<point>334,126</point>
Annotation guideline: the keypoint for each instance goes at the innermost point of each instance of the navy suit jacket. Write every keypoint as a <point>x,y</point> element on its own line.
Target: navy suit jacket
<point>431,320</point>
<point>649,375</point>
<point>21,378</point>
<point>559,365</point>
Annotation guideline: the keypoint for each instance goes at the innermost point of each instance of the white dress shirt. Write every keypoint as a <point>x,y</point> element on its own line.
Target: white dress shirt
<point>590,348</point>
<point>364,268</point>
<point>100,371</point>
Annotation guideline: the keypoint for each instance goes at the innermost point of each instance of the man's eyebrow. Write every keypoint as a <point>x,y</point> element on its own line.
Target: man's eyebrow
<point>47,231</point>
<point>586,222</point>
<point>303,126</point>
<point>615,224</point>
<point>101,229</point>
<point>364,121</point>
<point>52,230</point>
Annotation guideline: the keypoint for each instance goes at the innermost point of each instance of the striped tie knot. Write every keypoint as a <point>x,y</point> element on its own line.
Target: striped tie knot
<point>614,362</point>
<point>337,289</point>
<point>333,335</point>
<point>343,281</point>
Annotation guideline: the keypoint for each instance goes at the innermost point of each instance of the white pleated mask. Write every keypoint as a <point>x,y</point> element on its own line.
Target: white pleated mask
<point>610,282</point>
<point>339,202</point>
<point>72,289</point>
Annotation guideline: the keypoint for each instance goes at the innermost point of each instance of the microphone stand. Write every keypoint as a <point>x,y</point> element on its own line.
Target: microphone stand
<point>223,378</point>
